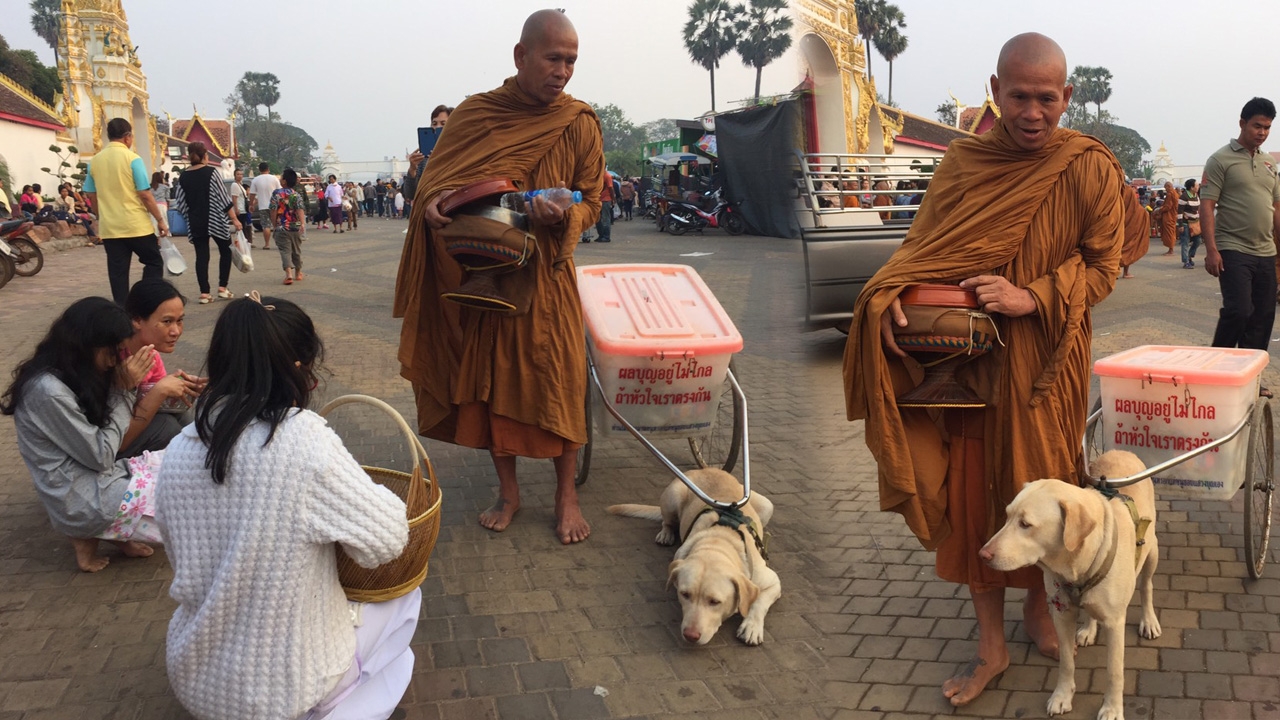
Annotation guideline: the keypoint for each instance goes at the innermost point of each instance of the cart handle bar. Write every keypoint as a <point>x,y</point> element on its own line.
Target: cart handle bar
<point>746,455</point>
<point>1103,483</point>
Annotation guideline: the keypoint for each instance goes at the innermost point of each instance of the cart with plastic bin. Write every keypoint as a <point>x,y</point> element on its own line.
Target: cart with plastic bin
<point>1194,416</point>
<point>660,365</point>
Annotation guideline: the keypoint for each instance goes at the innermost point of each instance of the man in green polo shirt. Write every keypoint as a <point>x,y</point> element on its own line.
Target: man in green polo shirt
<point>1239,221</point>
<point>120,191</point>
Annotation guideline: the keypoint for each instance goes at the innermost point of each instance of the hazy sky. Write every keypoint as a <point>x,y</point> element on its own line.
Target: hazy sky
<point>364,75</point>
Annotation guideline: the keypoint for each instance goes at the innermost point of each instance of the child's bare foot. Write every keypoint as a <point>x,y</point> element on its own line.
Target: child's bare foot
<point>571,526</point>
<point>968,684</point>
<point>499,516</point>
<point>87,557</point>
<point>133,548</point>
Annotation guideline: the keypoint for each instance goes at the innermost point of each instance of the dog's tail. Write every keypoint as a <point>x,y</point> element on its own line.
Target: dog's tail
<point>644,512</point>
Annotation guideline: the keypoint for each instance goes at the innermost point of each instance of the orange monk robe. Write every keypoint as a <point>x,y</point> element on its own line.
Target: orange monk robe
<point>1137,229</point>
<point>528,368</point>
<point>1050,222</point>
<point>1168,214</point>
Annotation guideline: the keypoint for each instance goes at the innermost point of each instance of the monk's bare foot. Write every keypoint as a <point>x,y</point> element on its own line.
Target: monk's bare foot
<point>1169,253</point>
<point>571,526</point>
<point>87,557</point>
<point>972,679</point>
<point>499,515</point>
<point>1126,276</point>
<point>1039,624</point>
<point>133,548</point>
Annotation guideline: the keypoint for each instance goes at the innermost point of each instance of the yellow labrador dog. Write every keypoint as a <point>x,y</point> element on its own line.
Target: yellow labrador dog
<point>718,569</point>
<point>1091,556</point>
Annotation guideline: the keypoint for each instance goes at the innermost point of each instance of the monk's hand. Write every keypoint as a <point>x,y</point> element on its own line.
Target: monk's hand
<point>434,218</point>
<point>544,212</point>
<point>1213,262</point>
<point>892,316</point>
<point>998,295</point>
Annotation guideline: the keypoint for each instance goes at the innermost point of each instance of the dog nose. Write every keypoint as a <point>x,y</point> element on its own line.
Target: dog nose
<point>985,554</point>
<point>692,635</point>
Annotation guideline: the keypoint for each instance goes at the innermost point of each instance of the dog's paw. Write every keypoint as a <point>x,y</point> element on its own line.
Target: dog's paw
<point>665,537</point>
<point>751,632</point>
<point>1110,712</point>
<point>1060,702</point>
<point>1087,634</point>
<point>1149,627</point>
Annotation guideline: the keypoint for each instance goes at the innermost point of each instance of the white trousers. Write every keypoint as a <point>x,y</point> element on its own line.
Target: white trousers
<point>383,665</point>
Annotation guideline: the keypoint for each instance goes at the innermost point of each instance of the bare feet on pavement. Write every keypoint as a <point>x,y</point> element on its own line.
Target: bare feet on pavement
<point>571,526</point>
<point>133,548</point>
<point>87,557</point>
<point>972,679</point>
<point>499,516</point>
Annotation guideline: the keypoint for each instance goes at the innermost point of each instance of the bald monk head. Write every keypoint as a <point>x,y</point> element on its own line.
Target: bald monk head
<point>545,55</point>
<point>1030,86</point>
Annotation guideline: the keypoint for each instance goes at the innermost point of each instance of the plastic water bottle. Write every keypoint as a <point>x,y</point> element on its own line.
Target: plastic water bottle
<point>563,197</point>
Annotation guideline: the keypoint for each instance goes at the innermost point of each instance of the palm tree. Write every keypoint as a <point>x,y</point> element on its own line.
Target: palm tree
<point>890,42</point>
<point>1092,85</point>
<point>44,21</point>
<point>708,36</point>
<point>764,34</point>
<point>869,13</point>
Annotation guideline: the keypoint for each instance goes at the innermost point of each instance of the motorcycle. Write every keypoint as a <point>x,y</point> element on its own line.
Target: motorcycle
<point>19,254</point>
<point>682,216</point>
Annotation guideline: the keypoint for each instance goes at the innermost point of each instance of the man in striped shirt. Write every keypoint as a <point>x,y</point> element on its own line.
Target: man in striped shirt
<point>1189,223</point>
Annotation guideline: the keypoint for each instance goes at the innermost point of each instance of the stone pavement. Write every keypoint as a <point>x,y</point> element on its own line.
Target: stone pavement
<point>516,626</point>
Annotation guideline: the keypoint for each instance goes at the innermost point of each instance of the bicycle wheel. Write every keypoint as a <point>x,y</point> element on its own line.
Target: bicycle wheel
<point>584,452</point>
<point>720,446</point>
<point>1259,487</point>
<point>29,259</point>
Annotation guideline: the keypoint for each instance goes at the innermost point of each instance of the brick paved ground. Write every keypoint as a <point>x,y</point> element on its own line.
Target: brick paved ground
<point>515,626</point>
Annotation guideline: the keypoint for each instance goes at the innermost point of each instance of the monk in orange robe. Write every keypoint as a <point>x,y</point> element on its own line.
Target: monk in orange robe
<point>1137,231</point>
<point>1168,216</point>
<point>512,384</point>
<point>1030,217</point>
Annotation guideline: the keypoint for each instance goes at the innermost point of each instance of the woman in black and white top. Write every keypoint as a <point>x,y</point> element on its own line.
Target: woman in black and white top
<point>202,198</point>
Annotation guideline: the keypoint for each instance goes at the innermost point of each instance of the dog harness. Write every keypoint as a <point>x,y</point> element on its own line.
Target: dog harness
<point>1074,591</point>
<point>735,520</point>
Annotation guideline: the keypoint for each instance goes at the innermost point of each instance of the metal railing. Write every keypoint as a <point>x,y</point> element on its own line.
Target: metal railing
<point>831,183</point>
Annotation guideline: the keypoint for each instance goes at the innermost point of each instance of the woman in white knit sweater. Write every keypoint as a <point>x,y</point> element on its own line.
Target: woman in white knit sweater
<point>252,498</point>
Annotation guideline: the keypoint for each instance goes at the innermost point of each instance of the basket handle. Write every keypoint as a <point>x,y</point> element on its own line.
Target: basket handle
<point>419,457</point>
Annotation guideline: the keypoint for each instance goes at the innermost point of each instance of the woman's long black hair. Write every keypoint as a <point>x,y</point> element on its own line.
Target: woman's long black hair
<point>69,350</point>
<point>262,364</point>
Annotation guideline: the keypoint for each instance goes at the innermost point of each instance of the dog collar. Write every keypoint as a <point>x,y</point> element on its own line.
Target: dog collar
<point>1076,591</point>
<point>735,520</point>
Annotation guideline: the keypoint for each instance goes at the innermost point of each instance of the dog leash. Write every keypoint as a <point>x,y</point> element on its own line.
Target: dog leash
<point>734,519</point>
<point>1140,524</point>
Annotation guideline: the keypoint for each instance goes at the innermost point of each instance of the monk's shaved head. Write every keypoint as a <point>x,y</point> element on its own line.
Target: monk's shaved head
<point>1030,86</point>
<point>542,25</point>
<point>545,55</point>
<point>1031,50</point>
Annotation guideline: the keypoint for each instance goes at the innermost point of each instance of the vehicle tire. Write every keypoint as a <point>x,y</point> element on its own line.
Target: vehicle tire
<point>676,228</point>
<point>720,446</point>
<point>1259,487</point>
<point>733,223</point>
<point>6,270</point>
<point>30,259</point>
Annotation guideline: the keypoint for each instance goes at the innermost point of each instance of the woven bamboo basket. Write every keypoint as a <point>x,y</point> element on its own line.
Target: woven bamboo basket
<point>421,497</point>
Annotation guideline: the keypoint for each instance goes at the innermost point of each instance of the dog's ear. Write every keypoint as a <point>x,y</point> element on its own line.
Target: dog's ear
<point>747,593</point>
<point>1076,524</point>
<point>671,571</point>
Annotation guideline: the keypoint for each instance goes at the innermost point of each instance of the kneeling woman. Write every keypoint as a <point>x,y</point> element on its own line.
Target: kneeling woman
<point>72,404</point>
<point>252,498</point>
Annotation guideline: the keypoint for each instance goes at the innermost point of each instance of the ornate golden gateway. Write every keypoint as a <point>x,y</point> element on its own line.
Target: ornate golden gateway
<point>836,23</point>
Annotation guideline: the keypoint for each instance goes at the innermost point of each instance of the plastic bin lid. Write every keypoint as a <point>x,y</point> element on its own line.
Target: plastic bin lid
<point>1180,364</point>
<point>652,309</point>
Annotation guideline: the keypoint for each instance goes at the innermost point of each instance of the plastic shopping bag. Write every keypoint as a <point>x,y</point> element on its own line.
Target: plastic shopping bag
<point>241,256</point>
<point>174,264</point>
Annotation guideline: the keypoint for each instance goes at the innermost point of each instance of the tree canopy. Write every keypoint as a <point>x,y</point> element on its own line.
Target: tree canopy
<point>278,143</point>
<point>44,21</point>
<point>764,34</point>
<point>1093,87</point>
<point>252,90</point>
<point>709,35</point>
<point>946,113</point>
<point>889,40</point>
<point>27,70</point>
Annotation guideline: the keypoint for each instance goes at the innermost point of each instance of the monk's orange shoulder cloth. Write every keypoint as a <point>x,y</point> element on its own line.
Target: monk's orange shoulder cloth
<point>974,220</point>
<point>1137,229</point>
